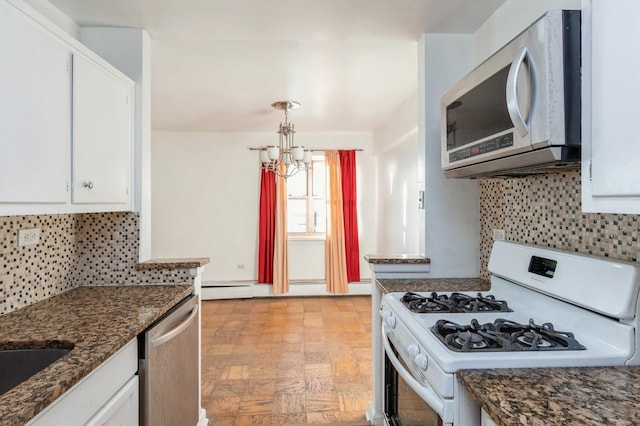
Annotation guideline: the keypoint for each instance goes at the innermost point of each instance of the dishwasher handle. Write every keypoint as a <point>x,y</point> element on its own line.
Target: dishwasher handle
<point>176,330</point>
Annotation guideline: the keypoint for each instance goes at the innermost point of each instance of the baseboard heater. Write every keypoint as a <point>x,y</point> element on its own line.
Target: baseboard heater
<point>227,290</point>
<point>247,289</point>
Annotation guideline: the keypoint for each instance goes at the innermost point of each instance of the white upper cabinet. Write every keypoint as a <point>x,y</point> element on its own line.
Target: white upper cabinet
<point>35,110</point>
<point>102,134</point>
<point>611,87</point>
<point>66,121</point>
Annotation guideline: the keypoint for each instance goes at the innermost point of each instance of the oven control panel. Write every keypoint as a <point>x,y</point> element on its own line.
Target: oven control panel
<point>542,266</point>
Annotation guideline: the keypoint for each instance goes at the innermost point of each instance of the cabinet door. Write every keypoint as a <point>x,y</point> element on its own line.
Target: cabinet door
<point>121,409</point>
<point>102,135</point>
<point>35,111</point>
<point>611,70</point>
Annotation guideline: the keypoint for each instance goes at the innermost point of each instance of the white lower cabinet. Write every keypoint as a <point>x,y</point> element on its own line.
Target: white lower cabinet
<point>107,396</point>
<point>122,409</point>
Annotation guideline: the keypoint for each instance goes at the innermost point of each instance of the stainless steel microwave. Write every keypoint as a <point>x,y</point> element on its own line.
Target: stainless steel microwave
<point>519,111</point>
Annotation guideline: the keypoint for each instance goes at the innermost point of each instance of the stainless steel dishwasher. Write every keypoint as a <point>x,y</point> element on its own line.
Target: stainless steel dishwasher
<point>168,368</point>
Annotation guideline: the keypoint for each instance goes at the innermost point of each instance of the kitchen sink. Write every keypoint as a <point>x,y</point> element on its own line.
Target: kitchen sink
<point>17,365</point>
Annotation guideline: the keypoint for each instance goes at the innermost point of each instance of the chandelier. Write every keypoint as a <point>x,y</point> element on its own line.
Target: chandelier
<point>293,157</point>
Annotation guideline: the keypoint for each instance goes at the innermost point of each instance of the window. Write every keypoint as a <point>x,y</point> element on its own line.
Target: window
<point>306,200</point>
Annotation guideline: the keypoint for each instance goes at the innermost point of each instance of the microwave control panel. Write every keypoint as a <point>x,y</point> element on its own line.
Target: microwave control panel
<point>490,145</point>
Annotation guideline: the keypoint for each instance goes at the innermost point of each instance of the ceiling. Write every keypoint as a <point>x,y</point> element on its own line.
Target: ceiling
<point>218,65</point>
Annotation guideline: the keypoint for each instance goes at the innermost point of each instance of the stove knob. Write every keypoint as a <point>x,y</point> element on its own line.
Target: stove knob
<point>391,321</point>
<point>421,361</point>
<point>413,350</point>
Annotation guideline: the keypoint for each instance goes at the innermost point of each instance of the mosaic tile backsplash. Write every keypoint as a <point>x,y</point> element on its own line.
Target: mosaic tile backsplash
<point>545,210</point>
<point>74,250</point>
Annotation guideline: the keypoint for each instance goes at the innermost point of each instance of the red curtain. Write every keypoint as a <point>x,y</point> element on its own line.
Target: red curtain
<point>267,227</point>
<point>350,213</point>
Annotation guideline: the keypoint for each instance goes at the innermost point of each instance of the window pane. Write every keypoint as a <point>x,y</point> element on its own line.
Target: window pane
<point>319,215</point>
<point>297,184</point>
<point>318,178</point>
<point>297,215</point>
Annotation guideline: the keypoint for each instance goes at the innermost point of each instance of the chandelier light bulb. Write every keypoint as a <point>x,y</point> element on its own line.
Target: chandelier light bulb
<point>297,153</point>
<point>264,156</point>
<point>273,152</point>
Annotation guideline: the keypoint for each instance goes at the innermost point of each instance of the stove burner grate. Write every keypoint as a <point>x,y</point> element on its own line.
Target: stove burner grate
<point>503,335</point>
<point>453,303</point>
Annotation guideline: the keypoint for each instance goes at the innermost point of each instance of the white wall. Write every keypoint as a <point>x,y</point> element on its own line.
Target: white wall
<point>402,125</point>
<point>205,193</point>
<point>398,227</point>
<point>509,21</point>
<point>396,149</point>
<point>451,215</point>
<point>407,147</point>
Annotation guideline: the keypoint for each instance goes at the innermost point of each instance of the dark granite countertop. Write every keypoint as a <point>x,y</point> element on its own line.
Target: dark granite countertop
<point>173,263</point>
<point>557,396</point>
<point>433,284</point>
<point>98,321</point>
<point>396,259</point>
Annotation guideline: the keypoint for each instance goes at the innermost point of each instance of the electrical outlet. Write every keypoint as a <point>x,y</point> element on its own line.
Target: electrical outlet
<point>28,237</point>
<point>499,234</point>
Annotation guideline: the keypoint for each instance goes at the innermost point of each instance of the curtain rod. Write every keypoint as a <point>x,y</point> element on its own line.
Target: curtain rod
<point>315,150</point>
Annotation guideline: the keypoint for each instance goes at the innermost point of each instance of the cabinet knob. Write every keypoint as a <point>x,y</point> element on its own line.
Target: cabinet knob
<point>88,185</point>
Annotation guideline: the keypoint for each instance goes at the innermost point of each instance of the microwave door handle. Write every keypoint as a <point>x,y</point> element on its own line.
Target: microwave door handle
<point>512,93</point>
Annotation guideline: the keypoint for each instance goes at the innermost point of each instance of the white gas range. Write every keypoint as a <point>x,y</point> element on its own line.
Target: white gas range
<point>546,308</point>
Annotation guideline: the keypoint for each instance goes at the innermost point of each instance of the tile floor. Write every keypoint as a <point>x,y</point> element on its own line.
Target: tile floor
<point>286,361</point>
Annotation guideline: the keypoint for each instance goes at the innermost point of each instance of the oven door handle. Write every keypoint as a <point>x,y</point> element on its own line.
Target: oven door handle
<point>426,393</point>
